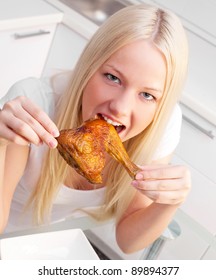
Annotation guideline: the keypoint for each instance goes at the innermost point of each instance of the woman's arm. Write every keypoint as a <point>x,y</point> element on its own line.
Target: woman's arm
<point>21,122</point>
<point>13,160</point>
<point>161,189</point>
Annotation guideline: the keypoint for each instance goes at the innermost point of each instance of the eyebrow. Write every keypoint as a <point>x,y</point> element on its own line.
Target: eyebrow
<point>159,91</point>
<point>154,89</point>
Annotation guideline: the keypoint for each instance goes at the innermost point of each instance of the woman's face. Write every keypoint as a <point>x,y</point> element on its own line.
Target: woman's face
<point>127,88</point>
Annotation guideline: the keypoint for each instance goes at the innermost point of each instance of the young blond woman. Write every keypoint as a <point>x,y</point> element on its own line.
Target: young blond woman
<point>132,73</point>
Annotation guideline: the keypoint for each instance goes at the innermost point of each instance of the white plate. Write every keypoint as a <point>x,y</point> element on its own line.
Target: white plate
<point>69,244</point>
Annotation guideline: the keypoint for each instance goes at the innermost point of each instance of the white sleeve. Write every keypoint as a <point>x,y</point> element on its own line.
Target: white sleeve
<point>37,90</point>
<point>171,135</point>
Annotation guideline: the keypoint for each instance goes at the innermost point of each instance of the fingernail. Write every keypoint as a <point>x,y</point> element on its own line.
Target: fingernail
<point>134,183</point>
<point>139,176</point>
<point>52,144</point>
<point>55,133</point>
<point>40,143</point>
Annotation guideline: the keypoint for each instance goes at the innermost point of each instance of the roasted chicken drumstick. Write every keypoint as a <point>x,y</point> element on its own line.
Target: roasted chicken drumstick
<point>84,148</point>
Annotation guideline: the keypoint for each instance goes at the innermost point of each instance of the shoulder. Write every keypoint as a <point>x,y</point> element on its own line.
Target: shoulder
<point>173,127</point>
<point>38,90</point>
<point>171,136</point>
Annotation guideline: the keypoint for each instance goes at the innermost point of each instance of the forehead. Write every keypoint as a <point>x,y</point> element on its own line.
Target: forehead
<point>143,49</point>
<point>140,60</point>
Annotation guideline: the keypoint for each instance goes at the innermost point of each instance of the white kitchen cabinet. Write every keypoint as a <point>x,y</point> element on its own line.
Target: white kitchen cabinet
<point>201,81</point>
<point>23,53</point>
<point>200,203</point>
<point>197,145</point>
<point>65,50</point>
<point>199,91</point>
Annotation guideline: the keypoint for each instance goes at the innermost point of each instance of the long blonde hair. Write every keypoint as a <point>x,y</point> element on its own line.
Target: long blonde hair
<point>136,22</point>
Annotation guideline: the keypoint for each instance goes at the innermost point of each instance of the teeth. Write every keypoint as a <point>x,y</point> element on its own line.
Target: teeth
<point>111,122</point>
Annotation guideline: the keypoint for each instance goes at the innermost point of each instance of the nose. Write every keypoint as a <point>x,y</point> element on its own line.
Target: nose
<point>122,104</point>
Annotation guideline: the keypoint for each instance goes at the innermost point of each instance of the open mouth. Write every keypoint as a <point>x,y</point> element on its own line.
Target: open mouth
<point>118,126</point>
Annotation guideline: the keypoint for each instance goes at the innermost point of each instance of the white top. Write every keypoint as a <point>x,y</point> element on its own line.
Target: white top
<point>68,200</point>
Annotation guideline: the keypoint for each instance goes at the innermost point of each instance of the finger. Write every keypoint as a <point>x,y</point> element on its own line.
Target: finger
<point>38,121</point>
<point>161,172</point>
<point>40,116</point>
<point>10,127</point>
<point>8,135</point>
<point>162,185</point>
<point>169,197</point>
<point>17,129</point>
<point>33,126</point>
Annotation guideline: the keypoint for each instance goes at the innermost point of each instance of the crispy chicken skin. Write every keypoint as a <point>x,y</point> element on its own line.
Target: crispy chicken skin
<point>84,148</point>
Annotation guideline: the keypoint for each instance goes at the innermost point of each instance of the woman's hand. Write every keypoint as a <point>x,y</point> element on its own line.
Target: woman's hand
<point>165,184</point>
<point>22,122</point>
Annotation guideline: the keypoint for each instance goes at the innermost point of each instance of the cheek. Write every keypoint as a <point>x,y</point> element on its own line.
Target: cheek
<point>143,118</point>
<point>91,98</point>
<point>86,104</point>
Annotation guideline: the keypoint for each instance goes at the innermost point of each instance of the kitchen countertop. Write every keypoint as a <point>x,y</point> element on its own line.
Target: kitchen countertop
<point>27,13</point>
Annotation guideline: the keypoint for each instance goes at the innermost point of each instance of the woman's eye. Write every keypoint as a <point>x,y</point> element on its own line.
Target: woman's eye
<point>112,78</point>
<point>148,96</point>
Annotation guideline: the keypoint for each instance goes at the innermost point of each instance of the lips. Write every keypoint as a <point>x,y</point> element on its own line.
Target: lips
<point>118,126</point>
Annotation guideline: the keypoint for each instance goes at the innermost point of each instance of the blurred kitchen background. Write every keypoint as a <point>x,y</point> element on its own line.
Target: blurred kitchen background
<point>42,37</point>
